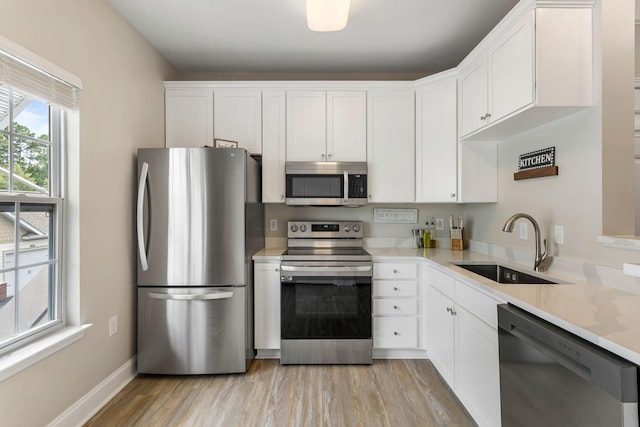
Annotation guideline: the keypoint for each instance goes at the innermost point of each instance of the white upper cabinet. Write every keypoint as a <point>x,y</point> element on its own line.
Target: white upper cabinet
<point>326,126</point>
<point>390,146</point>
<point>535,66</point>
<point>436,141</point>
<point>512,64</point>
<point>474,98</point>
<point>306,126</point>
<point>195,116</point>
<point>274,146</point>
<point>188,117</point>
<point>237,116</point>
<point>347,126</point>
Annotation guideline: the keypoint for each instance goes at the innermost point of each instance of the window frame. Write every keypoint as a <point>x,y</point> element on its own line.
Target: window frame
<point>56,199</point>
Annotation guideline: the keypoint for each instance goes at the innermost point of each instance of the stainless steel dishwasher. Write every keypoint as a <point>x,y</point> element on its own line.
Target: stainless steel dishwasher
<point>550,377</point>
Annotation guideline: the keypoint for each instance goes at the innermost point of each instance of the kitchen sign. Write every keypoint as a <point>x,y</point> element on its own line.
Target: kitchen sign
<point>537,159</point>
<point>537,164</point>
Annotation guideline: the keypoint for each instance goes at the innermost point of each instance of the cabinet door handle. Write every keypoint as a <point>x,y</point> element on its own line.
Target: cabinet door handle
<point>277,269</point>
<point>449,309</point>
<point>453,195</point>
<point>330,155</point>
<point>487,116</point>
<point>282,197</point>
<point>322,156</point>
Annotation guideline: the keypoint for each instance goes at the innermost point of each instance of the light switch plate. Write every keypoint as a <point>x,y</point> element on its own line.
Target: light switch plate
<point>273,224</point>
<point>558,234</point>
<point>439,223</point>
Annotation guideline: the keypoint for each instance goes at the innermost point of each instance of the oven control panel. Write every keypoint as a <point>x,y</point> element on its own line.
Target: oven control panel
<point>324,229</point>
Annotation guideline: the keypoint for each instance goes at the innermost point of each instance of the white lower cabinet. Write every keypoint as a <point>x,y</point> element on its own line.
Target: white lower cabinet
<point>396,305</point>
<point>478,385</point>
<point>266,315</point>
<point>462,341</point>
<point>441,335</point>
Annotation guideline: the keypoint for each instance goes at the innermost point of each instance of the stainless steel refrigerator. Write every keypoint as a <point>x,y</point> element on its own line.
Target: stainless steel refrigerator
<point>199,221</point>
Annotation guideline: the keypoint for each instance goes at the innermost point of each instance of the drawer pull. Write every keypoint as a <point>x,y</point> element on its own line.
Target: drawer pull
<point>396,333</point>
<point>395,307</point>
<point>395,271</point>
<point>395,288</point>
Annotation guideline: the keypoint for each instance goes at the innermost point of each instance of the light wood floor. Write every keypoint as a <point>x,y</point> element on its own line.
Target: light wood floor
<point>394,393</point>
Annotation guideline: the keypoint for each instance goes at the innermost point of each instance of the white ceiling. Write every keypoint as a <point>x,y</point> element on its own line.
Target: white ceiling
<point>271,36</point>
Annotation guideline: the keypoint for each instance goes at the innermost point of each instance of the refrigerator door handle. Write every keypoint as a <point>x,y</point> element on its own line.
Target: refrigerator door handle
<point>192,297</point>
<point>142,250</point>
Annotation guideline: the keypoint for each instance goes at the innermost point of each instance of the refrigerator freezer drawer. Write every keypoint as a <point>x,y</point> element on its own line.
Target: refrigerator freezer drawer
<point>183,331</point>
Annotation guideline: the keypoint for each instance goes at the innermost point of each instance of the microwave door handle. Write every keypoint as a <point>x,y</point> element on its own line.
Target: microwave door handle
<point>346,186</point>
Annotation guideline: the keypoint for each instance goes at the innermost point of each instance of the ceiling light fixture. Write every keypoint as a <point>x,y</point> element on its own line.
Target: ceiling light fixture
<point>327,15</point>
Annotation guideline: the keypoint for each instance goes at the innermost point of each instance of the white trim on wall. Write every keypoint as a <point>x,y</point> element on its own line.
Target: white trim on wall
<point>39,62</point>
<point>87,406</point>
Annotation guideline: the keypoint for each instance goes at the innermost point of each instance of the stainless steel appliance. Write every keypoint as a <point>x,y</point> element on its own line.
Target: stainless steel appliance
<point>199,220</point>
<point>549,377</point>
<point>325,296</point>
<point>326,183</point>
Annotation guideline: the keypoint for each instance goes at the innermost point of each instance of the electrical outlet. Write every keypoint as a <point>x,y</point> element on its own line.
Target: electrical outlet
<point>558,234</point>
<point>439,223</point>
<point>523,231</point>
<point>273,224</point>
<point>113,325</point>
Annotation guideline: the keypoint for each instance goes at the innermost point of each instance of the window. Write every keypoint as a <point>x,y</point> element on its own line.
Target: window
<point>31,201</point>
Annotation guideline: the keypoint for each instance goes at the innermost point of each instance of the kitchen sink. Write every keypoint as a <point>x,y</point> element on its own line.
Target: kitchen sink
<point>502,274</point>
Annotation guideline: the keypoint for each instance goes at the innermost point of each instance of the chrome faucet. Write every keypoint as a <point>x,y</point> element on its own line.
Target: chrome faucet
<point>542,260</point>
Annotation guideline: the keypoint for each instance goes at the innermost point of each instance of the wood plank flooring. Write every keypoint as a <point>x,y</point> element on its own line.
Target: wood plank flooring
<point>394,393</point>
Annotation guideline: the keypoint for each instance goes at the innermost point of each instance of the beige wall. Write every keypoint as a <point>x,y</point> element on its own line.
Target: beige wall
<point>121,109</point>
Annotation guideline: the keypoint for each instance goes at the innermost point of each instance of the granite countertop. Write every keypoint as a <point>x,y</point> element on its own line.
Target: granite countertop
<point>604,316</point>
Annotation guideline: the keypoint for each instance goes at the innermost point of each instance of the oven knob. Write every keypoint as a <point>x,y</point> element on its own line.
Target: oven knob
<point>303,228</point>
<point>294,228</point>
<point>347,228</point>
<point>356,227</point>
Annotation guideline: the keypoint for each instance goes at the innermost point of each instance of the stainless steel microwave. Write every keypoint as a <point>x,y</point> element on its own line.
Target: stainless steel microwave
<point>326,183</point>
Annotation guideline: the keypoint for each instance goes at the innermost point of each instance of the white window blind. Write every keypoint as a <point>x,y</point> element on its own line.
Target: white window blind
<point>36,82</point>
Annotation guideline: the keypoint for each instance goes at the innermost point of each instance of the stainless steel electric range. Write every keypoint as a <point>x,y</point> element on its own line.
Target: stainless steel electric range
<point>325,294</point>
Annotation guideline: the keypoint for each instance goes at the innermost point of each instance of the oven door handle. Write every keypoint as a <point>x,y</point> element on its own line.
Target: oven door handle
<point>325,270</point>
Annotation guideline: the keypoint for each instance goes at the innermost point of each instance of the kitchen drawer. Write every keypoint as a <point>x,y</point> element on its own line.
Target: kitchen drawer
<point>395,270</point>
<point>392,288</point>
<point>441,281</point>
<point>479,304</point>
<point>395,306</point>
<point>395,332</point>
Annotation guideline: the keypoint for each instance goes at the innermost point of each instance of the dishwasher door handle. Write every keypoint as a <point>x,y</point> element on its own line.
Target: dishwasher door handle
<point>192,297</point>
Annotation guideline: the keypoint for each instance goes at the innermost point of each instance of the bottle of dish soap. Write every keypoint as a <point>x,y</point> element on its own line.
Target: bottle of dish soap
<point>426,237</point>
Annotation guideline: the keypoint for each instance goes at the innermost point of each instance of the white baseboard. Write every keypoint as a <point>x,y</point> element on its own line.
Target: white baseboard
<point>80,412</point>
<point>380,353</point>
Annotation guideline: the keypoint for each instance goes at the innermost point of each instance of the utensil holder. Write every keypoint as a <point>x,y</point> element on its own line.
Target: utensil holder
<point>457,239</point>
